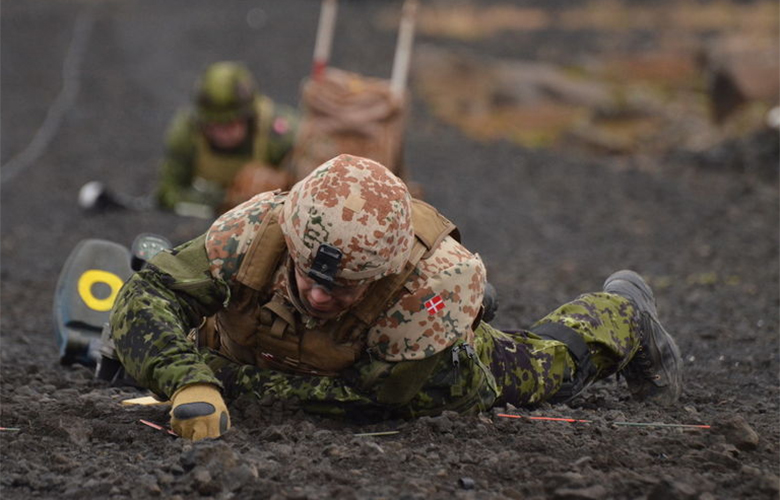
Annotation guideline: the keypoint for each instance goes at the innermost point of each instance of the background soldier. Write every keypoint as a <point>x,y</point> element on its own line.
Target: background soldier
<point>356,299</point>
<point>231,146</point>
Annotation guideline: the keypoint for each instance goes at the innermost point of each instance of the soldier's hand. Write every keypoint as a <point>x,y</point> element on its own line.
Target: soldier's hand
<point>199,412</point>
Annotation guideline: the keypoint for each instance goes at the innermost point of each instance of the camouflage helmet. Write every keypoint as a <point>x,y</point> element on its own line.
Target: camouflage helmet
<point>349,220</point>
<point>225,91</point>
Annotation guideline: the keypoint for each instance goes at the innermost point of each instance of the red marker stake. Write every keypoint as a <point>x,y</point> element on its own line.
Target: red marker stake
<point>324,41</point>
<point>631,424</point>
<point>556,419</point>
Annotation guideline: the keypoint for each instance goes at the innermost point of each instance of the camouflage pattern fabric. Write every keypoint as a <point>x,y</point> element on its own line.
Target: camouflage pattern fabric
<point>443,294</point>
<point>177,171</point>
<point>530,370</point>
<point>231,235</point>
<point>423,354</point>
<point>356,205</point>
<point>499,368</point>
<point>443,298</point>
<point>154,312</point>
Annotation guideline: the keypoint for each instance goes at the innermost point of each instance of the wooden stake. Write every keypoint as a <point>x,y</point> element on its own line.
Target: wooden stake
<point>325,29</point>
<point>403,48</point>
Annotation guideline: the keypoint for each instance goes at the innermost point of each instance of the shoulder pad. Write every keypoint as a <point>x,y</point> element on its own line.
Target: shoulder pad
<point>439,304</point>
<point>285,122</point>
<point>231,235</point>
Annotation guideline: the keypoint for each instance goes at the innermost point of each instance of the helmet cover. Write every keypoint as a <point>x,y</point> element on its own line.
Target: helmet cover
<point>225,91</point>
<point>357,206</point>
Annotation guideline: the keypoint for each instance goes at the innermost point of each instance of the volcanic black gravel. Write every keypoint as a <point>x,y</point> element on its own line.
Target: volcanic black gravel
<point>87,89</point>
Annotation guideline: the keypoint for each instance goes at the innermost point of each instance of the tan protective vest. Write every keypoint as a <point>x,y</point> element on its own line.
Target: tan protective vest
<point>220,169</point>
<point>262,328</point>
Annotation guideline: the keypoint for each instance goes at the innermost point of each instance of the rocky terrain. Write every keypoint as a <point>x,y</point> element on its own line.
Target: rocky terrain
<point>566,141</point>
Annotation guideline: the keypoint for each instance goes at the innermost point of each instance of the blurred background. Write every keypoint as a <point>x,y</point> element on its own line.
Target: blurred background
<point>566,139</point>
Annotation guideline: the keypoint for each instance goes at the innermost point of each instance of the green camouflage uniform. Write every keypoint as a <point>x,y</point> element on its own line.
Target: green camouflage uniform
<point>178,169</point>
<point>421,357</point>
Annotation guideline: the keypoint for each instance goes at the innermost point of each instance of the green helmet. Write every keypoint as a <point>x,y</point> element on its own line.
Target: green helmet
<point>225,91</point>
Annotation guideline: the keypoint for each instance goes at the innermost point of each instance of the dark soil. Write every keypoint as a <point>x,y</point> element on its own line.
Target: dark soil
<point>701,226</point>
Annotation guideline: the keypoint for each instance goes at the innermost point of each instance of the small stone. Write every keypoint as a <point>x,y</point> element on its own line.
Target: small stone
<point>667,489</point>
<point>721,458</point>
<point>770,483</point>
<point>204,482</point>
<point>466,483</point>
<point>738,432</point>
<point>297,493</point>
<point>201,476</point>
<point>595,492</point>
<point>237,477</point>
<point>208,452</point>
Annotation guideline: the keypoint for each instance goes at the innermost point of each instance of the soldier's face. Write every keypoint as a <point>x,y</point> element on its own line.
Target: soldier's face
<point>226,135</point>
<point>323,303</point>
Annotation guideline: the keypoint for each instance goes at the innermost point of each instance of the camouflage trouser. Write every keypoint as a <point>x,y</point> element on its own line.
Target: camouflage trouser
<point>516,367</point>
<point>530,369</point>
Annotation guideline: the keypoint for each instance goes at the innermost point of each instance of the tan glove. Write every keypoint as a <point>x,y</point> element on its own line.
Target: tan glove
<point>199,412</point>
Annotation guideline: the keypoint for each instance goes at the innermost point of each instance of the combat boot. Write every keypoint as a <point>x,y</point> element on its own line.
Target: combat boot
<point>655,371</point>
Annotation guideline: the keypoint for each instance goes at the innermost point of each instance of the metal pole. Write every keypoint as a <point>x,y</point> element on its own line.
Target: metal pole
<point>325,29</point>
<point>403,49</point>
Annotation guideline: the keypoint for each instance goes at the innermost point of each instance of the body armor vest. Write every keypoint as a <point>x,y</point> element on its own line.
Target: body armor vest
<point>219,169</point>
<point>260,327</point>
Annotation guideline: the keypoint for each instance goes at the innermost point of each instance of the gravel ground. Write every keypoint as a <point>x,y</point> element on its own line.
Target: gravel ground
<point>87,89</point>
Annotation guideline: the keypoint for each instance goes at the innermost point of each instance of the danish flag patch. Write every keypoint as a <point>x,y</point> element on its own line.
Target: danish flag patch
<point>434,304</point>
<point>281,126</point>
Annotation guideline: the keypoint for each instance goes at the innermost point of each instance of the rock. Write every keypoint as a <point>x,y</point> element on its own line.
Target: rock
<point>203,482</point>
<point>770,483</point>
<point>441,424</point>
<point>512,493</point>
<point>164,478</point>
<point>582,461</point>
<point>739,70</point>
<point>200,475</point>
<point>149,485</point>
<point>297,493</point>
<point>78,430</point>
<point>717,457</point>
<point>371,448</point>
<point>323,435</point>
<point>738,432</point>
<point>466,483</point>
<point>727,449</point>
<point>750,471</point>
<point>335,451</point>
<point>276,433</point>
<point>266,467</point>
<point>506,82</point>
<point>238,476</point>
<point>595,492</point>
<point>206,452</point>
<point>668,489</point>
<point>572,480</point>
